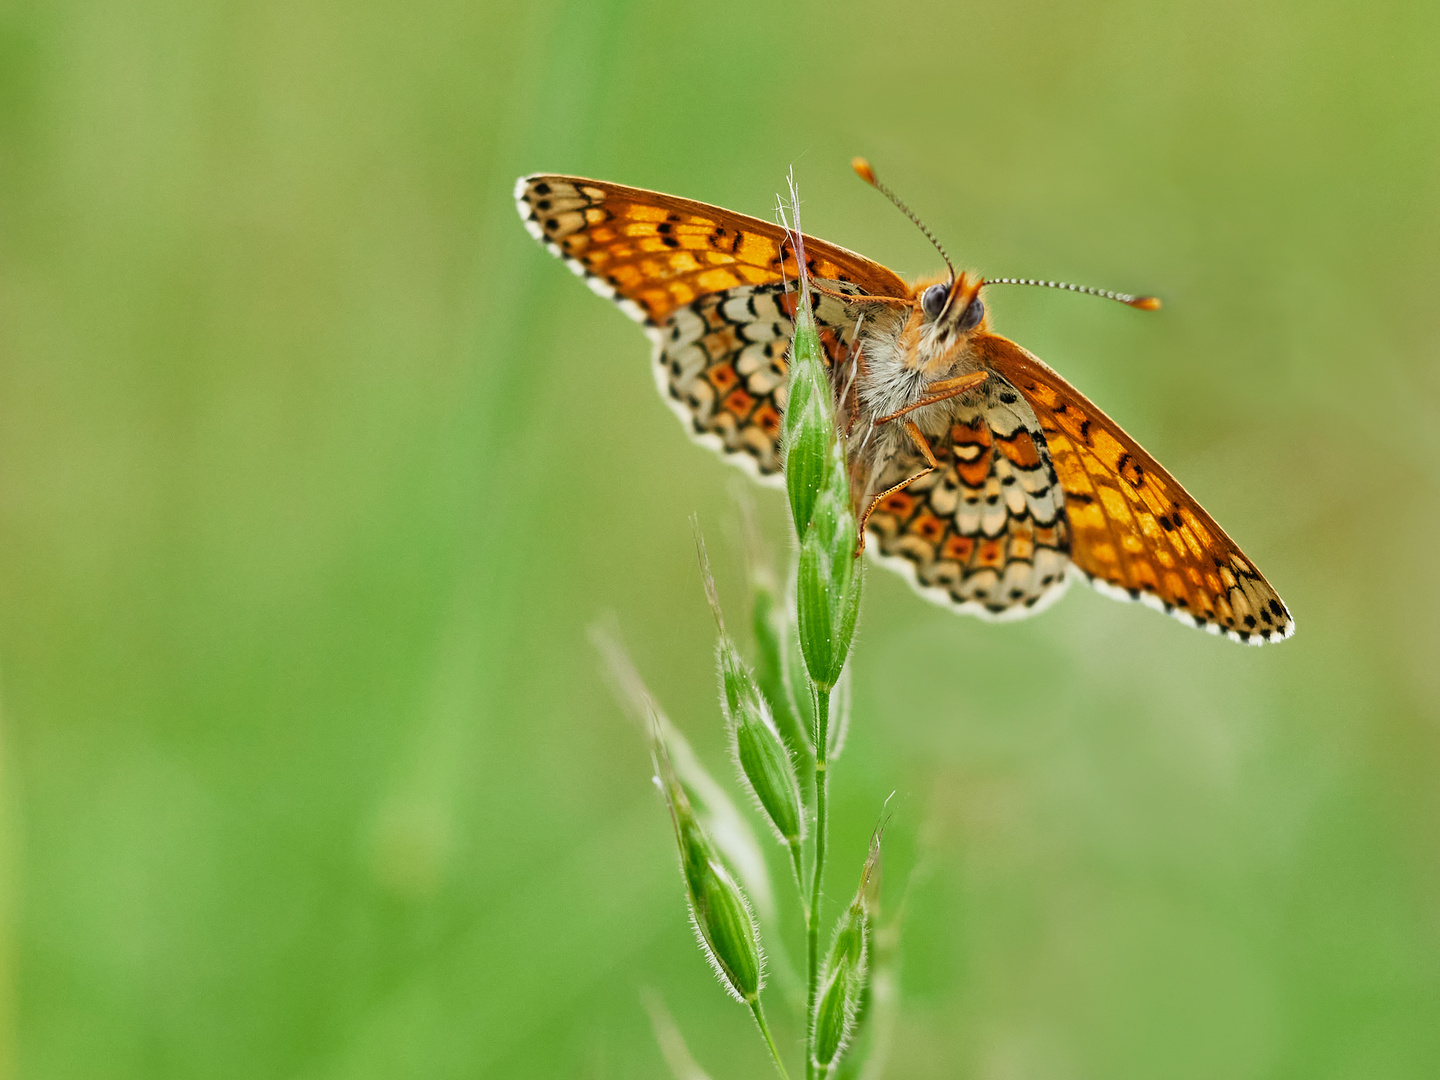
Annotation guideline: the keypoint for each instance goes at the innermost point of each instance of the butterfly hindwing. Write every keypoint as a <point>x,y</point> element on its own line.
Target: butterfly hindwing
<point>985,532</point>
<point>1134,531</point>
<point>720,361</point>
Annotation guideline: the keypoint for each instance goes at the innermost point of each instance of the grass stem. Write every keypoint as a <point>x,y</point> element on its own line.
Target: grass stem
<point>759,1014</point>
<point>812,921</point>
<point>797,865</point>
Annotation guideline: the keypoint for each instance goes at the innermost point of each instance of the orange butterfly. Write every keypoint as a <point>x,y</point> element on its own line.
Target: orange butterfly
<point>986,477</point>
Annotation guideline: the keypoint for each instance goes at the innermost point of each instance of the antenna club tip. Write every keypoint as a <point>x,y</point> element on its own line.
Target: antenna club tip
<point>1145,303</point>
<point>863,170</point>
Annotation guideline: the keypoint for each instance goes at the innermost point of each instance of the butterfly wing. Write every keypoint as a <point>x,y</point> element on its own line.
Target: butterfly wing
<point>655,253</point>
<point>710,288</point>
<point>1134,531</point>
<point>986,532</point>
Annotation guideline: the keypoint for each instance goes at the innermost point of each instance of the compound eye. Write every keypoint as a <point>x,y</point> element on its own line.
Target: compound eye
<point>932,300</point>
<point>972,315</point>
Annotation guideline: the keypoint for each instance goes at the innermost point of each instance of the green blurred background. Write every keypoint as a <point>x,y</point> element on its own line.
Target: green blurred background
<point>314,469</point>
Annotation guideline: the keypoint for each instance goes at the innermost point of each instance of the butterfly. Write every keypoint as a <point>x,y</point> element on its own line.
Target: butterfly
<point>980,474</point>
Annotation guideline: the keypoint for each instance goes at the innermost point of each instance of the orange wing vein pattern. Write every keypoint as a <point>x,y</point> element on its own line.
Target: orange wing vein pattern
<point>986,531</point>
<point>1134,531</point>
<point>653,253</point>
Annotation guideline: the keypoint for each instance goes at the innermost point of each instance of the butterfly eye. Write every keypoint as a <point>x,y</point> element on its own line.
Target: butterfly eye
<point>972,316</point>
<point>932,300</point>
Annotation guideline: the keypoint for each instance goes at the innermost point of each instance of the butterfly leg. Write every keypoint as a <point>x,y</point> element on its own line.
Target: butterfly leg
<point>940,391</point>
<point>858,359</point>
<point>863,298</point>
<point>935,392</point>
<point>924,447</point>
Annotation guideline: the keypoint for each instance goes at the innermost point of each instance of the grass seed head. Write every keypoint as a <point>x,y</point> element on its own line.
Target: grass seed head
<point>834,1014</point>
<point>828,581</point>
<point>725,928</point>
<point>765,762</point>
<point>809,431</point>
<point>724,924</point>
<point>846,972</point>
<point>721,819</point>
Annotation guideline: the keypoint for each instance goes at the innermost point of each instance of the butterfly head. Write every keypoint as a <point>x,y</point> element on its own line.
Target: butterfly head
<point>947,312</point>
<point>952,306</point>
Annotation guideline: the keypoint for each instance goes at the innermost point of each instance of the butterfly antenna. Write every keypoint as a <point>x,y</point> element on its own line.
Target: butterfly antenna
<point>865,172</point>
<point>1144,303</point>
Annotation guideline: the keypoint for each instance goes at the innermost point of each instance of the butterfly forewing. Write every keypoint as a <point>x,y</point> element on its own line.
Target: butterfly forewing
<point>1134,531</point>
<point>715,292</point>
<point>656,253</point>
